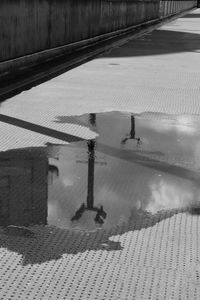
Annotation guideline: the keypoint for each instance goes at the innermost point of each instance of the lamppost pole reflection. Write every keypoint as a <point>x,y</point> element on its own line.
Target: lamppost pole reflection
<point>90,186</point>
<point>100,213</point>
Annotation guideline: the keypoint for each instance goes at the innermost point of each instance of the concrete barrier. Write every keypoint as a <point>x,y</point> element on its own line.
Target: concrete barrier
<point>31,31</point>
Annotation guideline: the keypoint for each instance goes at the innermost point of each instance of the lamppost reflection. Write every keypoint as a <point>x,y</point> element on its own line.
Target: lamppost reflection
<point>89,206</point>
<point>100,213</point>
<point>131,135</point>
<point>92,119</point>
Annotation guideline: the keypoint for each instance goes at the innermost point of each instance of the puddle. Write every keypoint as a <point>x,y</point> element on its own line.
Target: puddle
<point>138,166</point>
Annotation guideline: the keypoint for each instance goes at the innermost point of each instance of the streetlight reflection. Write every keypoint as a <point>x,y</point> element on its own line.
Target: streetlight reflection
<point>89,206</point>
<point>131,135</point>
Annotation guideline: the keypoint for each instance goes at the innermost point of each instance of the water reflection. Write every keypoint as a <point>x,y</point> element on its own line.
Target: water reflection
<point>161,176</point>
<point>100,213</point>
<point>53,172</point>
<point>98,183</point>
<point>132,136</point>
<point>23,188</point>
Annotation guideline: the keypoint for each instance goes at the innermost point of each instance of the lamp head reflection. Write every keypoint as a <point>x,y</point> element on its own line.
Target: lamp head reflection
<point>132,134</point>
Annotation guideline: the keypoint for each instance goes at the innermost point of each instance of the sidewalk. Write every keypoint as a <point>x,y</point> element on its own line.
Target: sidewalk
<point>151,253</point>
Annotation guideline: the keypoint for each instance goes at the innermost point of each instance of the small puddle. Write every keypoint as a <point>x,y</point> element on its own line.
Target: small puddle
<point>138,166</point>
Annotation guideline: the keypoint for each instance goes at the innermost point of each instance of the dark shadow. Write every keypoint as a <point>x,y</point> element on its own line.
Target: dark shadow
<point>50,243</point>
<point>40,129</point>
<point>25,79</point>
<point>191,16</point>
<point>24,179</point>
<point>194,210</point>
<point>23,188</point>
<point>157,42</point>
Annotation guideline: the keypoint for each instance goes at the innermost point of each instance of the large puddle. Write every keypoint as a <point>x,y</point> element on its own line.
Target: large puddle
<point>138,165</point>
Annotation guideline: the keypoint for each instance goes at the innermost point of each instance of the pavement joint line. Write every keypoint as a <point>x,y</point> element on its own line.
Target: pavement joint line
<point>40,129</point>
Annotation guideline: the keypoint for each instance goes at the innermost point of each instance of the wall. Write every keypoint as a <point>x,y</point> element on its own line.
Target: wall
<point>32,26</point>
<point>172,7</point>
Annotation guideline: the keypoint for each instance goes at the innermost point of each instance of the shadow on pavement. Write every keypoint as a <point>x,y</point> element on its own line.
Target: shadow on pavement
<point>39,129</point>
<point>157,43</point>
<point>50,243</point>
<point>191,16</point>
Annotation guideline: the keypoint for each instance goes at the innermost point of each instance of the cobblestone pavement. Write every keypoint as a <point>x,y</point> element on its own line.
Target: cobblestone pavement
<point>148,247</point>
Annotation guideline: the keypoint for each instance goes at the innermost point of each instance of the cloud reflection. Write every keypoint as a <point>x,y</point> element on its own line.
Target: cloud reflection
<point>171,194</point>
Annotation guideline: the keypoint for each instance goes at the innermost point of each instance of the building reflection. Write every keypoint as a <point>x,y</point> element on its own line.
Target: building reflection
<point>132,134</point>
<point>24,180</point>
<point>53,172</point>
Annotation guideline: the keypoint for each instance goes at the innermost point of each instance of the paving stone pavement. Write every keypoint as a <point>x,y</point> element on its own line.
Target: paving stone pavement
<point>145,257</point>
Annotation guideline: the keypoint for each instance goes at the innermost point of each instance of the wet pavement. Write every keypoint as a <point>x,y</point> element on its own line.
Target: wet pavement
<point>100,179</point>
